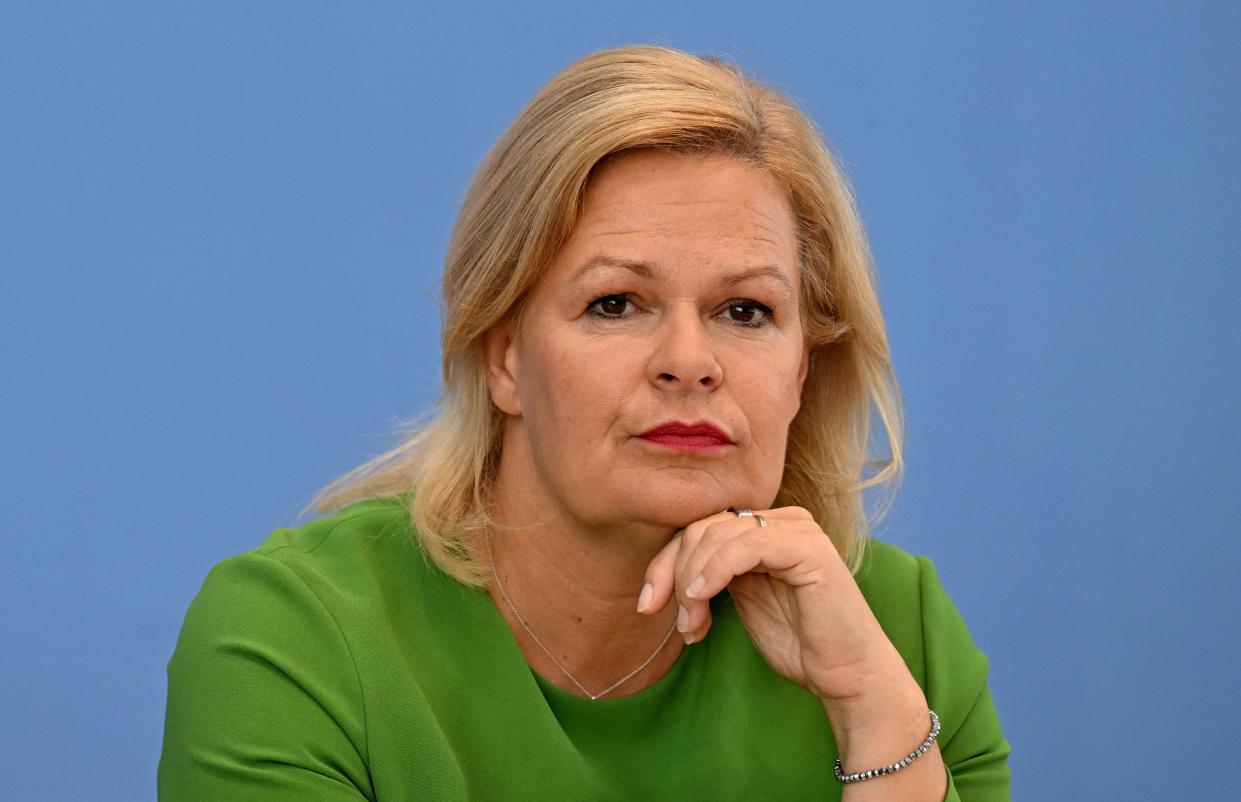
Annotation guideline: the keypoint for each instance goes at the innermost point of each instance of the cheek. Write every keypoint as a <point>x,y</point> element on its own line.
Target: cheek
<point>569,392</point>
<point>772,401</point>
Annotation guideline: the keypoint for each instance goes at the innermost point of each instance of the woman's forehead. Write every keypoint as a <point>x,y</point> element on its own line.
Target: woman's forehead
<point>693,185</point>
<point>661,209</point>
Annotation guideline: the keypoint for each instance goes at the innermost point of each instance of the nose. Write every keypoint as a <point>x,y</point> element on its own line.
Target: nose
<point>684,358</point>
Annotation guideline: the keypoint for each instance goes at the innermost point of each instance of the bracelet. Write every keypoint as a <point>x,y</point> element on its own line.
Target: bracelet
<point>895,767</point>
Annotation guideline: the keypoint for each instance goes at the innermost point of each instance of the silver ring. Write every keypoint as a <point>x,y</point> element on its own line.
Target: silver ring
<point>746,512</point>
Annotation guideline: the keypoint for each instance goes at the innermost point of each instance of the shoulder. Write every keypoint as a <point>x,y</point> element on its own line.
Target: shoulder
<point>321,572</point>
<point>326,545</point>
<point>923,623</point>
<point>309,595</point>
<point>905,594</point>
<point>272,653</point>
<point>890,578</point>
<point>886,567</point>
<point>367,523</point>
<point>358,547</point>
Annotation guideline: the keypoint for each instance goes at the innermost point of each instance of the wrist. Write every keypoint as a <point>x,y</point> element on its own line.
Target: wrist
<point>887,707</point>
<point>927,769</point>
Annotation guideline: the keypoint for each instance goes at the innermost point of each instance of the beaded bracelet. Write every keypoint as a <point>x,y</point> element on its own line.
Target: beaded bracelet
<point>895,767</point>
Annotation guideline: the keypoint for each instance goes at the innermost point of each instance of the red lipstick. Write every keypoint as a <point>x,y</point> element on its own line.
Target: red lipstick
<point>687,436</point>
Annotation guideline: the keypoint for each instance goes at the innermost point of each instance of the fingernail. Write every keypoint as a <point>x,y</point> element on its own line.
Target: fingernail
<point>695,586</point>
<point>682,619</point>
<point>688,638</point>
<point>644,598</point>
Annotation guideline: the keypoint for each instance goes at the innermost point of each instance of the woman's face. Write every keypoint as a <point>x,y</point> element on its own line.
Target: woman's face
<point>675,304</point>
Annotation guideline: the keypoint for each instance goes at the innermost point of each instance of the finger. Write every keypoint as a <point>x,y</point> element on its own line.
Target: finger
<point>788,514</point>
<point>782,524</point>
<point>693,534</point>
<point>693,617</point>
<point>796,560</point>
<point>791,547</point>
<point>660,577</point>
<point>694,622</point>
<point>698,621</point>
<point>691,560</point>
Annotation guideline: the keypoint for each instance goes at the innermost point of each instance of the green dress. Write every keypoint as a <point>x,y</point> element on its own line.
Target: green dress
<point>333,663</point>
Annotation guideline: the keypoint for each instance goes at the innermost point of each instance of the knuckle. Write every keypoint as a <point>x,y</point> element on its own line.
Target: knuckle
<point>709,568</point>
<point>753,538</point>
<point>694,532</point>
<point>662,565</point>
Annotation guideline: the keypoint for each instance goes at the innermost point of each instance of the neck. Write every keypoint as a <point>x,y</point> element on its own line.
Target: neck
<point>576,585</point>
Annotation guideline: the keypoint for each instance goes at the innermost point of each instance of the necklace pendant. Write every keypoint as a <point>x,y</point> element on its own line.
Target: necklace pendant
<point>594,697</point>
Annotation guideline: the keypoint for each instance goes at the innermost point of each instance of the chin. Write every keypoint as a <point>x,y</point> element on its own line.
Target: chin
<point>677,507</point>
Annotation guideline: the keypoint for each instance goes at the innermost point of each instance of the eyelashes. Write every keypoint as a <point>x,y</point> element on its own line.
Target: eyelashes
<point>743,312</point>
<point>756,315</point>
<point>606,306</point>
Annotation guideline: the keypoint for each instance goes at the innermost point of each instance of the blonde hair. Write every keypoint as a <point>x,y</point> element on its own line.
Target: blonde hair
<point>520,208</point>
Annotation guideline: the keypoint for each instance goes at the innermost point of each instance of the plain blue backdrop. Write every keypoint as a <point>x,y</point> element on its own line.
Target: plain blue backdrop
<point>221,225</point>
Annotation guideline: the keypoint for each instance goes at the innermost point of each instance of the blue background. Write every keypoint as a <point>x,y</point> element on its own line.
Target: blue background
<point>220,231</point>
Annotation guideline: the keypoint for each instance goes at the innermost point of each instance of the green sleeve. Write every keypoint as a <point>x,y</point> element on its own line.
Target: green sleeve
<point>263,699</point>
<point>970,739</point>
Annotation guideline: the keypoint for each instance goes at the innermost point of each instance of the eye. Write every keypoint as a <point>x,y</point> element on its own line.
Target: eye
<point>609,307</point>
<point>748,313</point>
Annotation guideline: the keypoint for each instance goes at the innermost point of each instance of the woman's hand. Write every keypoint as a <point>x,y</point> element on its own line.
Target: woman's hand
<point>809,620</point>
<point>798,601</point>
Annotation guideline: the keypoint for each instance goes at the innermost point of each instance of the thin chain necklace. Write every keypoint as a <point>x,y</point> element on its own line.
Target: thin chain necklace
<point>593,696</point>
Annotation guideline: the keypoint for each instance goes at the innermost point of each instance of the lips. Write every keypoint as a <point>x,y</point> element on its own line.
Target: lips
<point>687,436</point>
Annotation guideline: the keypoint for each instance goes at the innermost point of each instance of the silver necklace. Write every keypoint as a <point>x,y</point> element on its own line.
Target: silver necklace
<point>593,696</point>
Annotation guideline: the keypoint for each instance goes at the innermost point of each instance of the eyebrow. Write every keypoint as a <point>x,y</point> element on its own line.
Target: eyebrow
<point>649,271</point>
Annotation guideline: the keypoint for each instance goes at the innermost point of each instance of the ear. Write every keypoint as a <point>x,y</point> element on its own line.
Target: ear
<point>500,362</point>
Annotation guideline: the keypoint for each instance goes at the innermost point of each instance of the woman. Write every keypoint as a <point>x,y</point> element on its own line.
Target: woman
<point>646,567</point>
